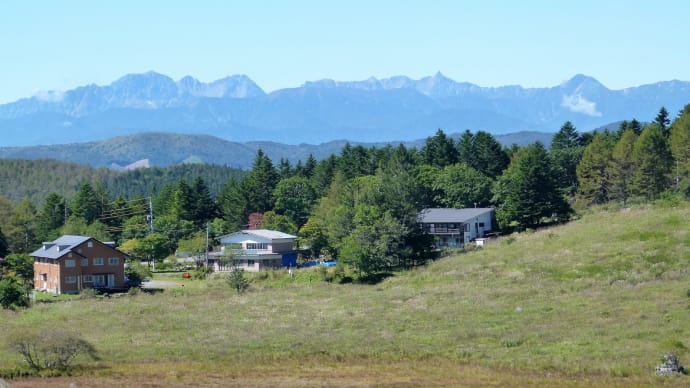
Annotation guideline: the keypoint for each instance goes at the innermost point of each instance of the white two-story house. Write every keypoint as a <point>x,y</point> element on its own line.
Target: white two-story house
<point>255,250</point>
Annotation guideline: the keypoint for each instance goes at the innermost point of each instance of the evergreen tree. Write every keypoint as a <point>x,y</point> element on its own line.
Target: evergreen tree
<point>284,168</point>
<point>184,202</point>
<point>204,207</point>
<point>680,147</point>
<point>465,148</point>
<point>621,167</point>
<point>323,175</point>
<point>489,156</point>
<point>593,170</point>
<point>233,205</point>
<point>164,201</point>
<point>50,218</point>
<point>19,231</point>
<point>527,191</point>
<point>86,204</point>
<point>663,121</point>
<point>258,185</point>
<point>309,167</point>
<point>566,151</point>
<point>439,150</point>
<point>635,126</point>
<point>4,248</point>
<point>652,161</point>
<point>355,161</point>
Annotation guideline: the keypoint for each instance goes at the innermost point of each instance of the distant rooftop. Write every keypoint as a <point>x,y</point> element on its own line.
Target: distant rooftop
<point>58,248</point>
<point>451,215</point>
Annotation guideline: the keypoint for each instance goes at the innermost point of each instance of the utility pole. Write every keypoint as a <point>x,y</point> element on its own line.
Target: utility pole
<point>150,217</point>
<point>206,248</point>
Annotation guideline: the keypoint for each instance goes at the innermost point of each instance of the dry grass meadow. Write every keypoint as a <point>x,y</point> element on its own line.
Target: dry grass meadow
<point>595,302</point>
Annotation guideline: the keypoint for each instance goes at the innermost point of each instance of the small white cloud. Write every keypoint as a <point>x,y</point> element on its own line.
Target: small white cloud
<point>578,104</point>
<point>50,95</point>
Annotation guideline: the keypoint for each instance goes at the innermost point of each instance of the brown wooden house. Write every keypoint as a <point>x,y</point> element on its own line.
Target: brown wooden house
<point>73,263</point>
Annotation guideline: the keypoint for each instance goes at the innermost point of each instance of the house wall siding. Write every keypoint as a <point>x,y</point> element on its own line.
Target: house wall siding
<point>56,270</point>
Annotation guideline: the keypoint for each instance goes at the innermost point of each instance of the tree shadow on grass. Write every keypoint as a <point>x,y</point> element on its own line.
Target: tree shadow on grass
<point>375,278</point>
<point>151,291</point>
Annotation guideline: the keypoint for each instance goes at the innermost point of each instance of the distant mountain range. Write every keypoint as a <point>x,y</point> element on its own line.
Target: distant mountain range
<point>165,149</point>
<point>391,109</point>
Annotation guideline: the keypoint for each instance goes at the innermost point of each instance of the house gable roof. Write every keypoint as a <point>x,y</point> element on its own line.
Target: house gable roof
<point>63,245</point>
<point>261,234</point>
<point>450,215</point>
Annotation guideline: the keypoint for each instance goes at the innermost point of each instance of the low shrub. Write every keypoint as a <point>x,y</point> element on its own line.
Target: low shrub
<point>51,349</point>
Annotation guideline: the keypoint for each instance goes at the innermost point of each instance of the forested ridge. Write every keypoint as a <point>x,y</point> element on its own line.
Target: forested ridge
<point>361,205</point>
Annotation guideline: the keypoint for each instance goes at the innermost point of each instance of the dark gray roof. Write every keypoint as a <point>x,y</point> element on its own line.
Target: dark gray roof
<point>58,248</point>
<point>450,215</point>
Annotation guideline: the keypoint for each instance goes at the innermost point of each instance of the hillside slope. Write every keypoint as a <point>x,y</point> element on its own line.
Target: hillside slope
<point>165,149</point>
<point>595,302</point>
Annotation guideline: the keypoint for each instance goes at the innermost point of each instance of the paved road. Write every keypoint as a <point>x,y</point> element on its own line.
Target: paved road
<point>159,284</point>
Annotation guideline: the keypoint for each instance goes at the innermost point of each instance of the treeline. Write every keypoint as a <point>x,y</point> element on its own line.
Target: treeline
<point>36,179</point>
<point>361,205</point>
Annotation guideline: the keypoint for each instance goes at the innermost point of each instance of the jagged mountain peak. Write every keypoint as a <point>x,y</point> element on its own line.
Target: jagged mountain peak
<point>398,107</point>
<point>582,82</point>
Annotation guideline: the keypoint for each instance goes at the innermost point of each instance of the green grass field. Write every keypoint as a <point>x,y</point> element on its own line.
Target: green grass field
<point>595,302</point>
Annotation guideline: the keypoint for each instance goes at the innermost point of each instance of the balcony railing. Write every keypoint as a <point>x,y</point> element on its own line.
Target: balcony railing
<point>437,230</point>
<point>248,252</point>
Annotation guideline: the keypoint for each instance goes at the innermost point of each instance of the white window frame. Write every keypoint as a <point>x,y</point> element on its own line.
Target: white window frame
<point>89,244</point>
<point>87,279</point>
<point>113,260</point>
<point>97,261</point>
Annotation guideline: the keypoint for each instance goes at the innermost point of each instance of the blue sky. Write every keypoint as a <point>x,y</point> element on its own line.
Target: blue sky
<point>59,45</point>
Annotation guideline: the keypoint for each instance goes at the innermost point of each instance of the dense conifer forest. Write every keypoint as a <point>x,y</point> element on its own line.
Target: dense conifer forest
<point>359,206</point>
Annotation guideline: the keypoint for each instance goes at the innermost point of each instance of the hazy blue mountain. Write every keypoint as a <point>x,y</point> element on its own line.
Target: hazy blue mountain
<point>373,110</point>
<point>165,149</point>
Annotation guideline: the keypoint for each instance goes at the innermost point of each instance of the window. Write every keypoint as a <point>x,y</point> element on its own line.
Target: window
<point>250,263</point>
<point>257,246</point>
<point>69,254</point>
<point>70,279</point>
<point>481,224</point>
<point>85,262</point>
<point>69,263</point>
<point>467,227</point>
<point>97,261</point>
<point>99,280</point>
<point>90,244</point>
<point>113,261</point>
<point>88,279</point>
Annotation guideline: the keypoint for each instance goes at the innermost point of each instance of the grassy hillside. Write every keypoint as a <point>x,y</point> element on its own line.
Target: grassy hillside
<point>592,303</point>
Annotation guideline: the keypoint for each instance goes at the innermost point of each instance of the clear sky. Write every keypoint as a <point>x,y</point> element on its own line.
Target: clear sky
<point>59,45</point>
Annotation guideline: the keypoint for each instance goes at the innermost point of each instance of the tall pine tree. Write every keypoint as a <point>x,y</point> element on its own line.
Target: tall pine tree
<point>622,166</point>
<point>593,171</point>
<point>652,161</point>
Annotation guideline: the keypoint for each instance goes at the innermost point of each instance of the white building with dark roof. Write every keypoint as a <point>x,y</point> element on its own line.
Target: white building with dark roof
<point>455,227</point>
<point>255,250</point>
